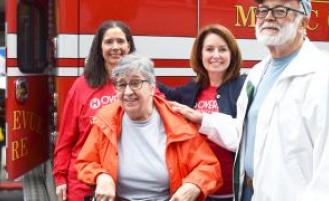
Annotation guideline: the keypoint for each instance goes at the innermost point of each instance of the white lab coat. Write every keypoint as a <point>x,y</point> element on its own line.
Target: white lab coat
<point>291,158</point>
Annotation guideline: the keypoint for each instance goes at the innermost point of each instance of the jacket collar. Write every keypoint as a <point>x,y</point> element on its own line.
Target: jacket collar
<point>109,120</point>
<point>176,126</point>
<point>298,66</point>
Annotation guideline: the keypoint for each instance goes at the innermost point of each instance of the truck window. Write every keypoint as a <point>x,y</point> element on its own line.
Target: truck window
<point>32,36</point>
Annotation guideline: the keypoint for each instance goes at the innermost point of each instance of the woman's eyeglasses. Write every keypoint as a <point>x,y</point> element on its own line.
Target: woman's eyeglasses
<point>133,85</point>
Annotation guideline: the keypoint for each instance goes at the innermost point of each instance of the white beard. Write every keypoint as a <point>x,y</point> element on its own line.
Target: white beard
<point>285,33</point>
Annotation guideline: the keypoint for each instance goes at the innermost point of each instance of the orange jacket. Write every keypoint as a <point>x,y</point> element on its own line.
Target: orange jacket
<point>189,159</point>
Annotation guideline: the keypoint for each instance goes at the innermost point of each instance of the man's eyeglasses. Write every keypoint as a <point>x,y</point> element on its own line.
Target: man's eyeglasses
<point>133,85</point>
<point>277,12</point>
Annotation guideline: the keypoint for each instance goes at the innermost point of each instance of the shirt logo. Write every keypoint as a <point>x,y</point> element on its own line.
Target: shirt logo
<point>208,106</point>
<point>96,103</point>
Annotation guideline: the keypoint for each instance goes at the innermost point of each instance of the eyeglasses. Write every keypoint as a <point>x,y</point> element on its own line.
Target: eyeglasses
<point>277,12</point>
<point>133,85</point>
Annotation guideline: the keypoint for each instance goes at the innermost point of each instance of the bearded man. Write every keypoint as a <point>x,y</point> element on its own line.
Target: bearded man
<point>282,125</point>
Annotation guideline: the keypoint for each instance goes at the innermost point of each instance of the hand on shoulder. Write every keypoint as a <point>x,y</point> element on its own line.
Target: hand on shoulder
<point>189,113</point>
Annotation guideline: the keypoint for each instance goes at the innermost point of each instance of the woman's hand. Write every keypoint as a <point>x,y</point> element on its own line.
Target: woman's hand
<point>105,188</point>
<point>189,113</point>
<point>187,192</point>
<point>61,192</point>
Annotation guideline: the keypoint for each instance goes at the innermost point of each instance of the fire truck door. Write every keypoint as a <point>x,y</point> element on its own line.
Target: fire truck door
<point>28,97</point>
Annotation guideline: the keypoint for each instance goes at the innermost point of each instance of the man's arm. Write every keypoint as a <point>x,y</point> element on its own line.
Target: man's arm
<point>218,127</point>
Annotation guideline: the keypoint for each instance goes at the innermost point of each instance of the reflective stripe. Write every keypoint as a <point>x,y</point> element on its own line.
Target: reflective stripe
<point>73,71</point>
<point>14,71</point>
<point>154,47</point>
<point>68,71</point>
<point>11,40</point>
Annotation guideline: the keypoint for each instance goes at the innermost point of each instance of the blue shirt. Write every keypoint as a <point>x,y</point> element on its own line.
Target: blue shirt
<point>274,68</point>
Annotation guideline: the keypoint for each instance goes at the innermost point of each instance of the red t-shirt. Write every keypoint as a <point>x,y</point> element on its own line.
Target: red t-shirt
<point>207,102</point>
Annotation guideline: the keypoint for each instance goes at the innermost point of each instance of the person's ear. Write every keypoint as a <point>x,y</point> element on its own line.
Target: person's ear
<point>153,90</point>
<point>129,47</point>
<point>304,22</point>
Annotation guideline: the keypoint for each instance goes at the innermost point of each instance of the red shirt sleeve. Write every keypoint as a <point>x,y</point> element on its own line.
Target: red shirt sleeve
<point>68,135</point>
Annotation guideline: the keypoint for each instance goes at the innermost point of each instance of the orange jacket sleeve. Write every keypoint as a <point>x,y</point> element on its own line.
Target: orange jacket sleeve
<point>203,166</point>
<point>88,163</point>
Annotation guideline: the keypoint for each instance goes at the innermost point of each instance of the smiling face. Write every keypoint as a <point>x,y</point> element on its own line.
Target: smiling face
<point>136,102</point>
<point>216,55</point>
<point>114,46</point>
<point>279,31</point>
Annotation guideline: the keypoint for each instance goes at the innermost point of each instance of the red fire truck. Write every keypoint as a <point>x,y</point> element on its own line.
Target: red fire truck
<point>47,42</point>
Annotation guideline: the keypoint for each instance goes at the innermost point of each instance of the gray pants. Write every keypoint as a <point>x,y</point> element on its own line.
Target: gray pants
<point>39,185</point>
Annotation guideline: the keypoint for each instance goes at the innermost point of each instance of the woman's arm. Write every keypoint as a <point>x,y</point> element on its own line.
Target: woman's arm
<point>105,187</point>
<point>67,138</point>
<point>88,164</point>
<point>203,167</point>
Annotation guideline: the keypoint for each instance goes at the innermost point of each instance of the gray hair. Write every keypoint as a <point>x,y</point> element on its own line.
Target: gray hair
<point>133,63</point>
